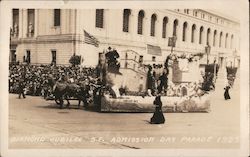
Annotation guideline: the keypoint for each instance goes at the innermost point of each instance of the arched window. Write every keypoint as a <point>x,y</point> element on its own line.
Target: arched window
<point>126,14</point>
<point>226,40</point>
<point>140,22</point>
<point>215,36</point>
<point>208,35</point>
<point>175,27</point>
<point>232,39</point>
<point>220,39</point>
<point>201,35</point>
<point>164,27</point>
<point>184,32</point>
<point>193,31</point>
<point>99,18</point>
<point>153,20</point>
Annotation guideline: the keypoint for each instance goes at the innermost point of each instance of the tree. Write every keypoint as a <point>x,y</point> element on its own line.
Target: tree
<point>75,60</point>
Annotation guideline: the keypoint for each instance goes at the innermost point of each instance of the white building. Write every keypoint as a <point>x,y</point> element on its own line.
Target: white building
<point>45,36</point>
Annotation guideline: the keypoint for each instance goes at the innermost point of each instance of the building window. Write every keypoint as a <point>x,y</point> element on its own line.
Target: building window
<point>192,35</point>
<point>226,40</point>
<point>99,18</point>
<point>231,44</point>
<point>195,13</point>
<point>53,56</point>
<point>210,18</point>
<point>140,22</point>
<point>217,20</point>
<point>153,21</point>
<point>202,15</point>
<point>164,27</point>
<point>57,17</point>
<point>187,11</point>
<point>15,23</point>
<point>184,31</point>
<point>208,35</point>
<point>214,39</point>
<point>220,39</point>
<point>153,58</point>
<point>28,58</point>
<point>31,22</point>
<point>201,35</point>
<point>126,14</point>
<point>175,27</point>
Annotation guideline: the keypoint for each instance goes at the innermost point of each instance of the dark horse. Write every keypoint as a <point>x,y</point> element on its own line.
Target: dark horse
<point>63,90</point>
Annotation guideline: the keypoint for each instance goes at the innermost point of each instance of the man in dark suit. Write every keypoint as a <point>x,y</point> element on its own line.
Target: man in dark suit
<point>21,86</point>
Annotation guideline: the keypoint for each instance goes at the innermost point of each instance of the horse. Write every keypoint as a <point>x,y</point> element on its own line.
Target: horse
<point>64,90</point>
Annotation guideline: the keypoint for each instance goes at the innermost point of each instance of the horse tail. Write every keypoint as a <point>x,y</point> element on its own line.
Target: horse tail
<point>54,87</point>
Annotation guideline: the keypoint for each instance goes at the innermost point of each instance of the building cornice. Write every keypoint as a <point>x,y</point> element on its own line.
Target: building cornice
<point>221,16</point>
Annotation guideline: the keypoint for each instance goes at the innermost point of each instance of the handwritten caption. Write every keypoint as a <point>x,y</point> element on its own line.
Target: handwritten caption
<point>160,139</point>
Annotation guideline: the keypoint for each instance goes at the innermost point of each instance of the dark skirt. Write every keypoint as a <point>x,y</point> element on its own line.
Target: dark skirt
<point>158,118</point>
<point>226,95</point>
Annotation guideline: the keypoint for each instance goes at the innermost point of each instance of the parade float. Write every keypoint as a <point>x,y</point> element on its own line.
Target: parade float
<point>184,92</point>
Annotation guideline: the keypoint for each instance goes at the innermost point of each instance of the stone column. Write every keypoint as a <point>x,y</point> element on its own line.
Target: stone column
<point>204,36</point>
<point>217,39</point>
<point>133,22</point>
<point>170,25</point>
<point>146,25</point>
<point>196,35</point>
<point>20,29</point>
<point>188,33</point>
<point>179,33</point>
<point>210,38</point>
<point>25,23</point>
<point>158,27</point>
<point>223,40</point>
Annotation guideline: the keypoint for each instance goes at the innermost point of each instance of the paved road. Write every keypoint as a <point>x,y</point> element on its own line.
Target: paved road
<point>36,123</point>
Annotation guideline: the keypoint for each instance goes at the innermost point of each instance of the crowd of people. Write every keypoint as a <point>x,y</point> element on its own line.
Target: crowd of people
<point>35,78</point>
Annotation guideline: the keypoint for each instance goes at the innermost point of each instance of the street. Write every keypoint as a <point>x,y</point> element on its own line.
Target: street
<point>37,123</point>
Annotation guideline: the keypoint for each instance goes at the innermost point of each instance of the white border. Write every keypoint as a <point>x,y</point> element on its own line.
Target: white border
<point>239,7</point>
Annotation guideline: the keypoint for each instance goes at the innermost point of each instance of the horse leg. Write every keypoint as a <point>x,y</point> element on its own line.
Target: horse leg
<point>61,103</point>
<point>79,102</point>
<point>67,102</point>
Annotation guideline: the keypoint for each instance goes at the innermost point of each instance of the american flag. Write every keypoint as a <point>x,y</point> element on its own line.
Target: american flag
<point>90,39</point>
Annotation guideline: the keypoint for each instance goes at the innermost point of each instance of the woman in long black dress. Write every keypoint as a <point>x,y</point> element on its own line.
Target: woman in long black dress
<point>226,93</point>
<point>158,117</point>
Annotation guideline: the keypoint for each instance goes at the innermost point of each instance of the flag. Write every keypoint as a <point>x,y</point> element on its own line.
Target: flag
<point>90,39</point>
<point>154,50</point>
<point>171,41</point>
